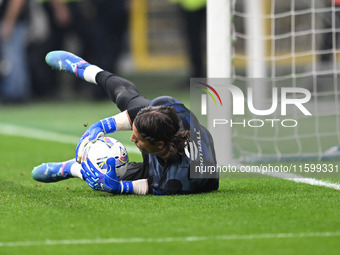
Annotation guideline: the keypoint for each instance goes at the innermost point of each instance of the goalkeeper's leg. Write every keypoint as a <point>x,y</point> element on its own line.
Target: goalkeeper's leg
<point>121,91</point>
<point>54,172</point>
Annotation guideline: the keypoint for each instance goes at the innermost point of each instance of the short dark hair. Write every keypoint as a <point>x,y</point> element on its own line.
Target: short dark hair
<point>160,123</point>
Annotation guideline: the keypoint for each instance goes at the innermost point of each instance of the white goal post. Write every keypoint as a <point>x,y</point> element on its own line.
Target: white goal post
<point>219,66</point>
<point>281,44</point>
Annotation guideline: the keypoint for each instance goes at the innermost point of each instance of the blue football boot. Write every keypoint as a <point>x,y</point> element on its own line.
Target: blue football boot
<point>67,62</point>
<point>53,172</point>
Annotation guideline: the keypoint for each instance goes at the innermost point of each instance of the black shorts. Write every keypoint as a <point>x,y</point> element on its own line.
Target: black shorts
<point>137,170</point>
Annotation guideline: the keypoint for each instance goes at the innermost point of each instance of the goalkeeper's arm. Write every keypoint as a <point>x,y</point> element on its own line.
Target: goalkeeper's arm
<point>118,122</point>
<point>125,119</point>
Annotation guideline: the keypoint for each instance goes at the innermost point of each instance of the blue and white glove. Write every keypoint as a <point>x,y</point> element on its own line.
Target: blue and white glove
<point>108,182</point>
<point>104,126</point>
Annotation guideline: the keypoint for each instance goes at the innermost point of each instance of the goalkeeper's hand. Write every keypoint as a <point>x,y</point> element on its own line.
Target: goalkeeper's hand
<point>108,182</point>
<point>104,126</point>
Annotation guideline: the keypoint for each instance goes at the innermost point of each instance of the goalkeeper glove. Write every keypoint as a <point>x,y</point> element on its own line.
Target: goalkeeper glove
<point>104,126</point>
<point>108,182</point>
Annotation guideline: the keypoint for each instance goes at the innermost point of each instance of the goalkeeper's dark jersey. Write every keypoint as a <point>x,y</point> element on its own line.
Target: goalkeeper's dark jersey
<point>171,177</point>
<point>174,177</point>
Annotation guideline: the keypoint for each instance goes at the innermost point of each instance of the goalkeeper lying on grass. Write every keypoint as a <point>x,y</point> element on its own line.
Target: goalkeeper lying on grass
<point>160,129</point>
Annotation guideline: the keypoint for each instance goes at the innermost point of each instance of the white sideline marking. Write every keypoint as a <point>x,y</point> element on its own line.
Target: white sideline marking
<point>14,130</point>
<point>316,182</point>
<point>296,178</point>
<point>299,179</point>
<point>169,239</point>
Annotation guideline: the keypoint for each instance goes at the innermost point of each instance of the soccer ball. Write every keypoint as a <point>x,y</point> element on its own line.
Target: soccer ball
<point>104,148</point>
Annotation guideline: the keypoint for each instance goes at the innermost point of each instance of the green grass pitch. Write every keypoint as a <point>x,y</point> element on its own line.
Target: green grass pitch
<point>245,216</point>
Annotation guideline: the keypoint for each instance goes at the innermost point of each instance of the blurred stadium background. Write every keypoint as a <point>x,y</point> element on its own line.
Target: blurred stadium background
<point>245,216</point>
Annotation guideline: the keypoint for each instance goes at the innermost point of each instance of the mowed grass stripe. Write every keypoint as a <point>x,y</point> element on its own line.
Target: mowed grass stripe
<point>170,239</point>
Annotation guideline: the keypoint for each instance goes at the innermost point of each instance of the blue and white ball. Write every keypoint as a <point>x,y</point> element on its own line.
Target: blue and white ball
<point>104,148</point>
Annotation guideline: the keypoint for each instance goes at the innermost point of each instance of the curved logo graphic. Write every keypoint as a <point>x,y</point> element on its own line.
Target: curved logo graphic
<point>108,142</point>
<point>204,96</point>
<point>123,155</point>
<point>191,150</point>
<point>209,93</point>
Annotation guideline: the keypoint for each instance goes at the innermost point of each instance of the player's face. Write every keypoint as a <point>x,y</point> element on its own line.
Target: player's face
<point>144,145</point>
